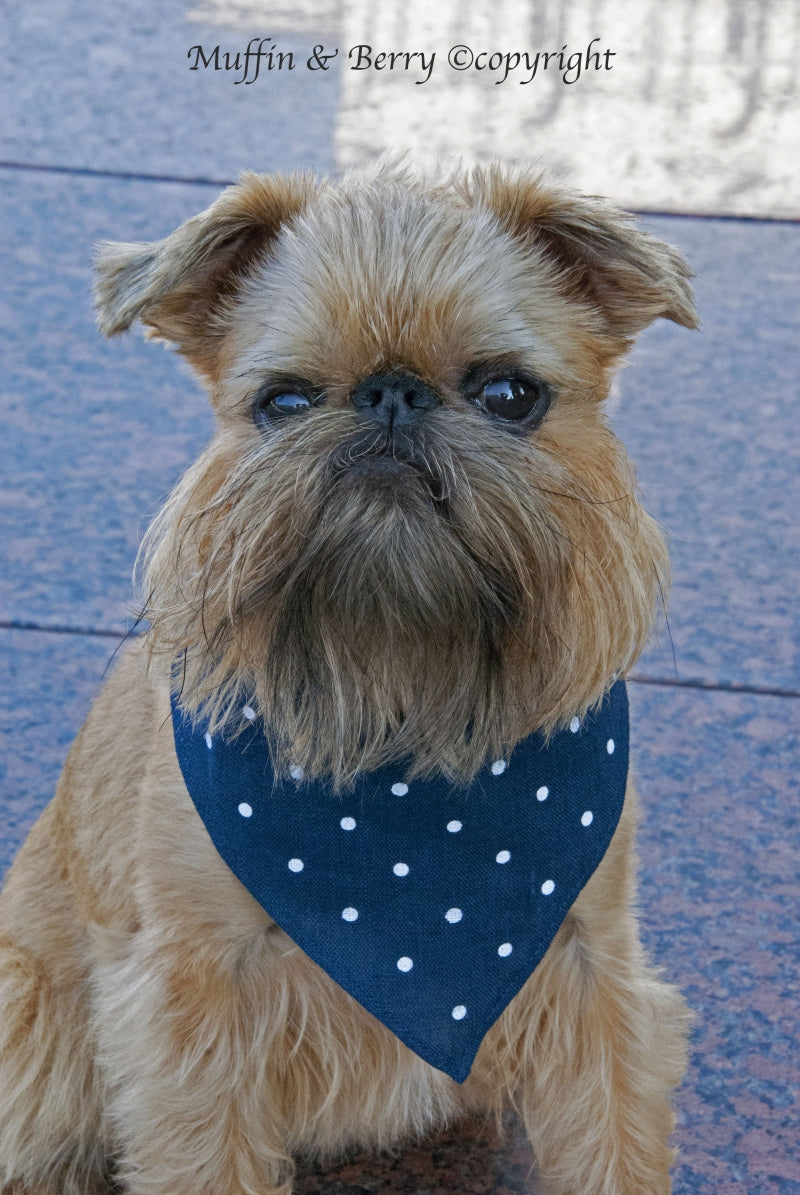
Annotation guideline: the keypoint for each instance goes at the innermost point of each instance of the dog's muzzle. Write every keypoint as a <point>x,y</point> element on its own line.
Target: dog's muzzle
<point>394,399</point>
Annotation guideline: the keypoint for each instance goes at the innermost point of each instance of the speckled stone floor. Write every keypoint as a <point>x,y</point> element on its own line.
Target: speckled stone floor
<point>105,136</point>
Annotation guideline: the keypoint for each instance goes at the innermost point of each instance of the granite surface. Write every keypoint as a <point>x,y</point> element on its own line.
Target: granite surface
<point>111,89</point>
<point>719,847</point>
<point>92,433</point>
<point>49,682</point>
<point>710,420</point>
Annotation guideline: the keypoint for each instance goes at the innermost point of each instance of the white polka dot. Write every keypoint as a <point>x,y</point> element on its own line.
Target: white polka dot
<point>248,712</point>
<point>502,856</point>
<point>400,869</point>
<point>498,767</point>
<point>348,823</point>
<point>295,865</point>
<point>454,827</point>
<point>404,964</point>
<point>400,789</point>
<point>349,914</point>
<point>548,887</point>
<point>587,818</point>
<point>505,950</point>
<point>542,793</point>
<point>453,916</point>
<point>459,1012</point>
<point>209,740</point>
<point>296,772</point>
<point>610,746</point>
<point>575,725</point>
<point>245,809</point>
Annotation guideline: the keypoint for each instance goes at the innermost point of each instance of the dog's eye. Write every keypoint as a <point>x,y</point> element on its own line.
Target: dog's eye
<point>513,399</point>
<point>290,403</point>
<point>275,406</point>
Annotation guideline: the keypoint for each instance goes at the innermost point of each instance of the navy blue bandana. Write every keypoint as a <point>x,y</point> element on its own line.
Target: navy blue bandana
<point>430,904</point>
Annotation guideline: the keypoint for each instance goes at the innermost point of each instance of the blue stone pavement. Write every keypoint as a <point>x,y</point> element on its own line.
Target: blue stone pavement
<point>93,434</point>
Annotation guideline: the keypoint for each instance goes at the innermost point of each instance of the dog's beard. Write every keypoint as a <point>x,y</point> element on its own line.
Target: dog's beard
<point>381,596</point>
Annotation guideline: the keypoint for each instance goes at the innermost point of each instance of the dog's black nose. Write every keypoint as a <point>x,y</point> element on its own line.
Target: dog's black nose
<point>394,398</point>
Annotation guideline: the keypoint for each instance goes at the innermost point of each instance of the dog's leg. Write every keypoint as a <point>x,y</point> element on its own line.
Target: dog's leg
<point>50,1121</point>
<point>598,1043</point>
<point>193,1096</point>
<point>49,1139</point>
<point>598,1113</point>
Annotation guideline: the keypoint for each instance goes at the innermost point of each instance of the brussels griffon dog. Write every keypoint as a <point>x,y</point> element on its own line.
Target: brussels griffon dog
<point>345,847</point>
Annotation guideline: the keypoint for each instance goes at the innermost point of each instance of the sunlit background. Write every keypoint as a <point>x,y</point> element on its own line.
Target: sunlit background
<point>698,111</point>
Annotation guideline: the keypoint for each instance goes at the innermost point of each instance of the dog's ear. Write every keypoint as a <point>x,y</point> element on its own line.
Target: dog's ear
<point>630,277</point>
<point>178,287</point>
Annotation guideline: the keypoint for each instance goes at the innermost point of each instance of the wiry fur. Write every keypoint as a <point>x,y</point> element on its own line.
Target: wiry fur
<point>363,629</point>
<point>434,592</point>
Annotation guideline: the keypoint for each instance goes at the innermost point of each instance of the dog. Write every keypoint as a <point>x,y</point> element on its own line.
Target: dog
<point>398,593</point>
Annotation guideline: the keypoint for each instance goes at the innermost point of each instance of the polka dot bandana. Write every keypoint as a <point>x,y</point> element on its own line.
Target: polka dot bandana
<point>430,904</point>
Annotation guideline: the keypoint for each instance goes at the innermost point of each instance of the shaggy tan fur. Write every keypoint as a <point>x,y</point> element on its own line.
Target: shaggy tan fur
<point>439,592</point>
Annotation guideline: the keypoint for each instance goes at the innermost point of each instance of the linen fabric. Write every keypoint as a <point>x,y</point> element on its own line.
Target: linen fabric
<point>430,903</point>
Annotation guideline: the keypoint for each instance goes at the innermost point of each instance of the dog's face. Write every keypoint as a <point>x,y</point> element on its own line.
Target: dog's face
<point>413,533</point>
